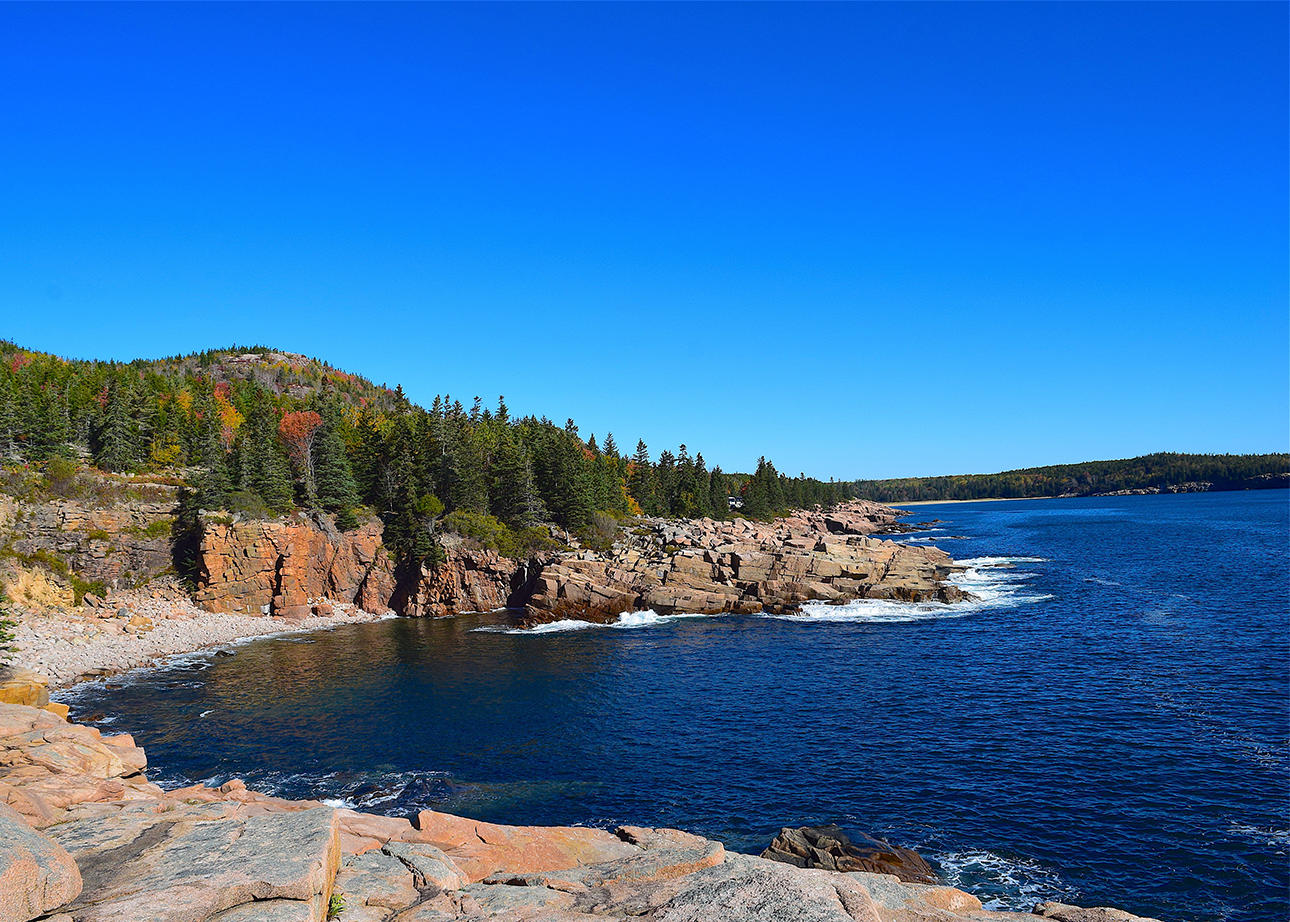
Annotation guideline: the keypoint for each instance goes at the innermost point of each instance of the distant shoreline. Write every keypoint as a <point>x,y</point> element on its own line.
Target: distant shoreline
<point>991,499</point>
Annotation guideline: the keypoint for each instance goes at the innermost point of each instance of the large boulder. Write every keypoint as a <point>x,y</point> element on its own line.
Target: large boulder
<point>831,849</point>
<point>36,874</point>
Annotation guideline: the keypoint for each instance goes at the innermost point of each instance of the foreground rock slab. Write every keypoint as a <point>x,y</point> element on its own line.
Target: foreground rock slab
<point>36,875</point>
<point>189,863</point>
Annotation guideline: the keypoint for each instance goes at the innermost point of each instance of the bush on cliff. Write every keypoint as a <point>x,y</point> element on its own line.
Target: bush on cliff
<point>492,533</point>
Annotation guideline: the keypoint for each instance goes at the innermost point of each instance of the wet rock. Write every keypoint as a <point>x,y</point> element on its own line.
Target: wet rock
<point>36,874</point>
<point>830,848</point>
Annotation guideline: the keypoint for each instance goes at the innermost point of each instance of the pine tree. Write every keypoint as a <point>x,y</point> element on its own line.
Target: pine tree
<point>115,442</point>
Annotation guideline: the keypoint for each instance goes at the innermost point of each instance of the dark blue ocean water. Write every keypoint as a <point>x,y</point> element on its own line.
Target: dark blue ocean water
<point>1109,725</point>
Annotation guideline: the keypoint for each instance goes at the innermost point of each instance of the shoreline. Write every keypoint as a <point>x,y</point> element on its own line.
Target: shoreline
<point>991,499</point>
<point>78,646</point>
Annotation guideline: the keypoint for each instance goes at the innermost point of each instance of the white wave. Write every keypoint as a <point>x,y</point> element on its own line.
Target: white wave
<point>1002,883</point>
<point>204,713</point>
<point>340,803</point>
<point>994,582</point>
<point>1273,838</point>
<point>626,621</point>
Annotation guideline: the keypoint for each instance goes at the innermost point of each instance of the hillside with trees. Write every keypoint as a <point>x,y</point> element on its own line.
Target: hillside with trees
<point>261,433</point>
<point>1163,472</point>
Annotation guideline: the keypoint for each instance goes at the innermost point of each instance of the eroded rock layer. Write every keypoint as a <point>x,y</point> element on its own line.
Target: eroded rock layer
<point>698,566</point>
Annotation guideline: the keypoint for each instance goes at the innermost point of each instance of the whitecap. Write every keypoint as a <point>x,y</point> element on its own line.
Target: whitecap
<point>627,621</point>
<point>1271,837</point>
<point>993,582</point>
<point>1002,883</point>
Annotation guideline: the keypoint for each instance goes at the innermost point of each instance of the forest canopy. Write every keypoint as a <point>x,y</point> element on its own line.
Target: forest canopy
<point>262,433</point>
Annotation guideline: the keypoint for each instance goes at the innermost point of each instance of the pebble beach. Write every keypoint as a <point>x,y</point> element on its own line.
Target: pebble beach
<point>130,632</point>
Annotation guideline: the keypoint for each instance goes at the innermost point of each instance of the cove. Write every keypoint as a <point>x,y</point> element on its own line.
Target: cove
<point>1106,724</point>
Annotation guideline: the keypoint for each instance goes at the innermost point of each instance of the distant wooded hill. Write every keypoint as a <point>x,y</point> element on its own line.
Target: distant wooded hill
<point>1165,472</point>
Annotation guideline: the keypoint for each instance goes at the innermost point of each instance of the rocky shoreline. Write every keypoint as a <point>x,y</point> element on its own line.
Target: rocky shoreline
<point>262,578</point>
<point>87,838</point>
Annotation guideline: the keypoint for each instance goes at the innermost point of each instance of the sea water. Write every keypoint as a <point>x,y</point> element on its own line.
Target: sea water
<point>1106,723</point>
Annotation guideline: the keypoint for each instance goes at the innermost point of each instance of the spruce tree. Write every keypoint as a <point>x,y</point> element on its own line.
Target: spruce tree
<point>115,450</point>
<point>336,490</point>
<point>640,482</point>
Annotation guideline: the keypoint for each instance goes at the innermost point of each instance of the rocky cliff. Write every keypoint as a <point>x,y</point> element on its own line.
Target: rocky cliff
<point>711,567</point>
<point>286,568</point>
<point>701,566</point>
<point>282,568</point>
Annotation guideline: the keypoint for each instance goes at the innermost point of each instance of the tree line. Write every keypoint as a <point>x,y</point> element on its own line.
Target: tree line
<point>1161,470</point>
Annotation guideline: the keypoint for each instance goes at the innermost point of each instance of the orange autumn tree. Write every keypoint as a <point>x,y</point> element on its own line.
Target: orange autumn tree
<point>298,431</point>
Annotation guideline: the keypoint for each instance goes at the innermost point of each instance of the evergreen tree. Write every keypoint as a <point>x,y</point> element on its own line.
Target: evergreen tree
<point>263,467</point>
<point>640,481</point>
<point>115,449</point>
<point>337,492</point>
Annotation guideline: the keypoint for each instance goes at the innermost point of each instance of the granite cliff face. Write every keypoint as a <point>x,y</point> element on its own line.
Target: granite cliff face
<point>281,568</point>
<point>285,568</point>
<point>701,566</point>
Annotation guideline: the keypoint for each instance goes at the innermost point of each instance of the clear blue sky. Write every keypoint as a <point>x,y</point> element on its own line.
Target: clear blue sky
<point>865,240</point>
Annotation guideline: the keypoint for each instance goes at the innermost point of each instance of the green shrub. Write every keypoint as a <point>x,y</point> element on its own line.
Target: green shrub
<point>494,534</point>
<point>60,477</point>
<point>247,504</point>
<point>599,532</point>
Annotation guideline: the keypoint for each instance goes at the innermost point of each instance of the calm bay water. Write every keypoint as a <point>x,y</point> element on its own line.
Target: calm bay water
<point>1109,725</point>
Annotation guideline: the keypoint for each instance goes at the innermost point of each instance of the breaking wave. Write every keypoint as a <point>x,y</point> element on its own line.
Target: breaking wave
<point>1002,883</point>
<point>994,582</point>
<point>626,621</point>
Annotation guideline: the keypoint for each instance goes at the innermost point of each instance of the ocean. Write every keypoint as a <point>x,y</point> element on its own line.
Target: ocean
<point>1108,723</point>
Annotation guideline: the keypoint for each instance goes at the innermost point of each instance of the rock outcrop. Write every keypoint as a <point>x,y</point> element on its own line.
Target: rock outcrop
<point>696,566</point>
<point>86,836</point>
<point>713,567</point>
<point>284,568</point>
<point>280,568</point>
<point>830,848</point>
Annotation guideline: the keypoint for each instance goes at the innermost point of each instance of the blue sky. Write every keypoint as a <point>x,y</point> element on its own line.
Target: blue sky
<point>864,240</point>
